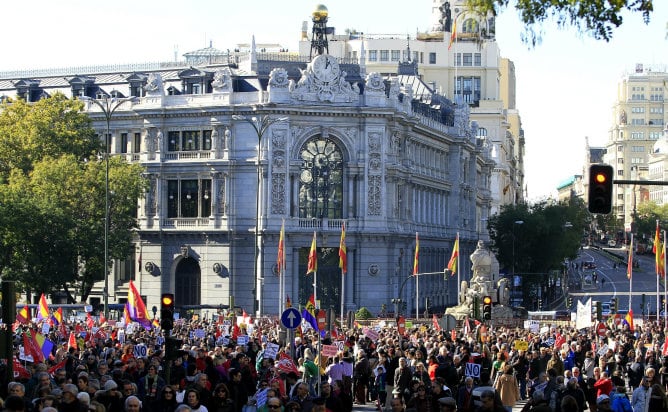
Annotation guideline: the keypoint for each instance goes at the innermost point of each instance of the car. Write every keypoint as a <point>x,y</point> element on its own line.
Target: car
<point>589,265</point>
<point>612,243</point>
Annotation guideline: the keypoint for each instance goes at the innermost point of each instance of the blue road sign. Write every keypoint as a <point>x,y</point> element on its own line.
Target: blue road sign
<point>290,318</point>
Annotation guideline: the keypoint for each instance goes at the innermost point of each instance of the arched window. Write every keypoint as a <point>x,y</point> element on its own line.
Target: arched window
<point>321,179</point>
<point>482,132</point>
<point>471,26</point>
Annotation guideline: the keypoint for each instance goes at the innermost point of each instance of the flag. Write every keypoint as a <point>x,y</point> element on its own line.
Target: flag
<point>343,252</point>
<point>280,260</point>
<point>126,313</point>
<point>664,351</point>
<point>244,319</point>
<point>57,316</point>
<point>155,324</point>
<point>285,364</point>
<point>453,35</point>
<point>434,321</point>
<point>42,309</point>
<point>23,316</point>
<point>452,264</point>
<point>45,345</point>
<point>417,254</point>
<point>628,319</point>
<point>288,302</point>
<point>103,319</point>
<point>629,265</point>
<point>657,249</point>
<point>72,342</point>
<point>312,266</point>
<point>89,321</point>
<point>136,308</point>
<point>32,348</point>
<point>308,313</point>
<point>57,366</point>
<point>20,371</point>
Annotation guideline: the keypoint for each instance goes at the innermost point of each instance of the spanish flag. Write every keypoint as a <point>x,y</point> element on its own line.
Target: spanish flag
<point>453,35</point>
<point>657,249</point>
<point>417,255</point>
<point>343,252</point>
<point>452,265</point>
<point>312,265</point>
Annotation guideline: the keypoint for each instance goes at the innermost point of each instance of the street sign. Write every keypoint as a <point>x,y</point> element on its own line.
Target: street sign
<point>601,329</point>
<point>401,325</point>
<point>290,318</point>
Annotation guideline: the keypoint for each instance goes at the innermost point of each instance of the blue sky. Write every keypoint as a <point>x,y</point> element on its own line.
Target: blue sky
<point>565,86</point>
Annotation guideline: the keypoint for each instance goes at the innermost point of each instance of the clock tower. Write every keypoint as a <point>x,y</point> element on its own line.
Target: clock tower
<point>320,31</point>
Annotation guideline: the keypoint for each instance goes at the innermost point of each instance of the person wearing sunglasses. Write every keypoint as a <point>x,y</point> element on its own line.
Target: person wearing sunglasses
<point>220,401</point>
<point>166,400</point>
<point>272,405</point>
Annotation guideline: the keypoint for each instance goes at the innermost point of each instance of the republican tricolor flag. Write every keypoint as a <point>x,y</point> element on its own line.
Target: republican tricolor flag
<point>42,309</point>
<point>136,308</point>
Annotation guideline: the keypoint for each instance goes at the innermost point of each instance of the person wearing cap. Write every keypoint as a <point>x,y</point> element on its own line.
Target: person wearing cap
<point>603,403</point>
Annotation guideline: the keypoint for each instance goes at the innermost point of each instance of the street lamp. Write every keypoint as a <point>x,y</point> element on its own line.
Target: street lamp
<point>260,125</point>
<point>108,107</point>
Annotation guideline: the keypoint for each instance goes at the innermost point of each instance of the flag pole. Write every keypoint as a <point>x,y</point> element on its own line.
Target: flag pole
<point>459,282</point>
<point>344,268</point>
<point>657,268</point>
<point>629,272</point>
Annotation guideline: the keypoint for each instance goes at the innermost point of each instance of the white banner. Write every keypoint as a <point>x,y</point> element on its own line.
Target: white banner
<point>583,319</point>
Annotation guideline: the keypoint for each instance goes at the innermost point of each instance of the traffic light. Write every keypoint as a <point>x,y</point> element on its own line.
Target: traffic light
<point>599,311</point>
<point>172,347</point>
<point>614,302</point>
<point>540,304</point>
<point>569,302</point>
<point>487,307</point>
<point>476,307</point>
<point>167,311</point>
<point>600,188</point>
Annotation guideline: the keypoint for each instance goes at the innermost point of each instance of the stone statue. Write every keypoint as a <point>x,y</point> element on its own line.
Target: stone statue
<point>482,263</point>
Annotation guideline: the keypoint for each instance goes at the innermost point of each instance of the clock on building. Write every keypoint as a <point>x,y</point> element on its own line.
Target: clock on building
<point>326,68</point>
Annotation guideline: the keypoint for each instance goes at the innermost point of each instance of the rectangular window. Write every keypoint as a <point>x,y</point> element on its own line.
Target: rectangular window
<point>638,149</point>
<point>656,122</point>
<point>174,141</point>
<point>137,144</point>
<point>206,142</point>
<point>637,160</point>
<point>432,58</point>
<point>620,148</point>
<point>638,122</point>
<point>384,55</point>
<point>477,59</point>
<point>620,161</point>
<point>620,172</point>
<point>637,135</point>
<point>395,55</point>
<point>468,60</point>
<point>373,55</point>
<point>458,59</point>
<point>124,142</point>
<point>468,88</point>
<point>188,198</point>
<point>205,201</point>
<point>190,141</point>
<point>637,110</point>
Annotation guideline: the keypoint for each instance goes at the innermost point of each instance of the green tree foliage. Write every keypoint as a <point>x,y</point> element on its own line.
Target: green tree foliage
<point>597,18</point>
<point>53,196</point>
<point>549,234</point>
<point>363,313</point>
<point>647,215</point>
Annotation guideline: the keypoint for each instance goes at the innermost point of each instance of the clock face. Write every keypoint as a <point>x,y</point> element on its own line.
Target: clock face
<point>325,67</point>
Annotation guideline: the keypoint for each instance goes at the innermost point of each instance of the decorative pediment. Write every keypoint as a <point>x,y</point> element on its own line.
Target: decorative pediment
<point>324,81</point>
<point>193,72</point>
<point>137,78</point>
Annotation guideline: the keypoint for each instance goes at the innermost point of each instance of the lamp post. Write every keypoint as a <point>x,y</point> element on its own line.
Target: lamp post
<point>260,126</point>
<point>108,106</point>
<point>517,222</point>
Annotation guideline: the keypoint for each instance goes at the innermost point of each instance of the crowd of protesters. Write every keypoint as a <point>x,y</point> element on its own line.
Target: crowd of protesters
<point>554,369</point>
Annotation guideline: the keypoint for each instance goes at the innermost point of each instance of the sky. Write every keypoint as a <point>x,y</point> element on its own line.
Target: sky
<point>566,85</point>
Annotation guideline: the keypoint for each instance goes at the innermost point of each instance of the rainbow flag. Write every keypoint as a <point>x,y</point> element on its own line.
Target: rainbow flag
<point>452,264</point>
<point>136,308</point>
<point>417,255</point>
<point>42,309</point>
<point>343,252</point>
<point>312,265</point>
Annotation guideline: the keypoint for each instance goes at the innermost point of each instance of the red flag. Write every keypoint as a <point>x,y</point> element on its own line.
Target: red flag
<point>664,352</point>
<point>72,342</point>
<point>57,366</point>
<point>89,321</point>
<point>103,319</point>
<point>417,254</point>
<point>434,320</point>
<point>285,364</point>
<point>31,347</point>
<point>20,371</point>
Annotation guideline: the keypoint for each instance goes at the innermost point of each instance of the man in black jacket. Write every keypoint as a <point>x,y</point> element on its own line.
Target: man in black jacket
<point>402,379</point>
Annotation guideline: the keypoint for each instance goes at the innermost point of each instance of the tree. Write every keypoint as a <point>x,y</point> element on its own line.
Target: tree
<point>549,234</point>
<point>595,17</point>
<point>52,199</point>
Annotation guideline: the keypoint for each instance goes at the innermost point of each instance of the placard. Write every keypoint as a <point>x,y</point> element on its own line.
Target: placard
<point>329,350</point>
<point>472,370</point>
